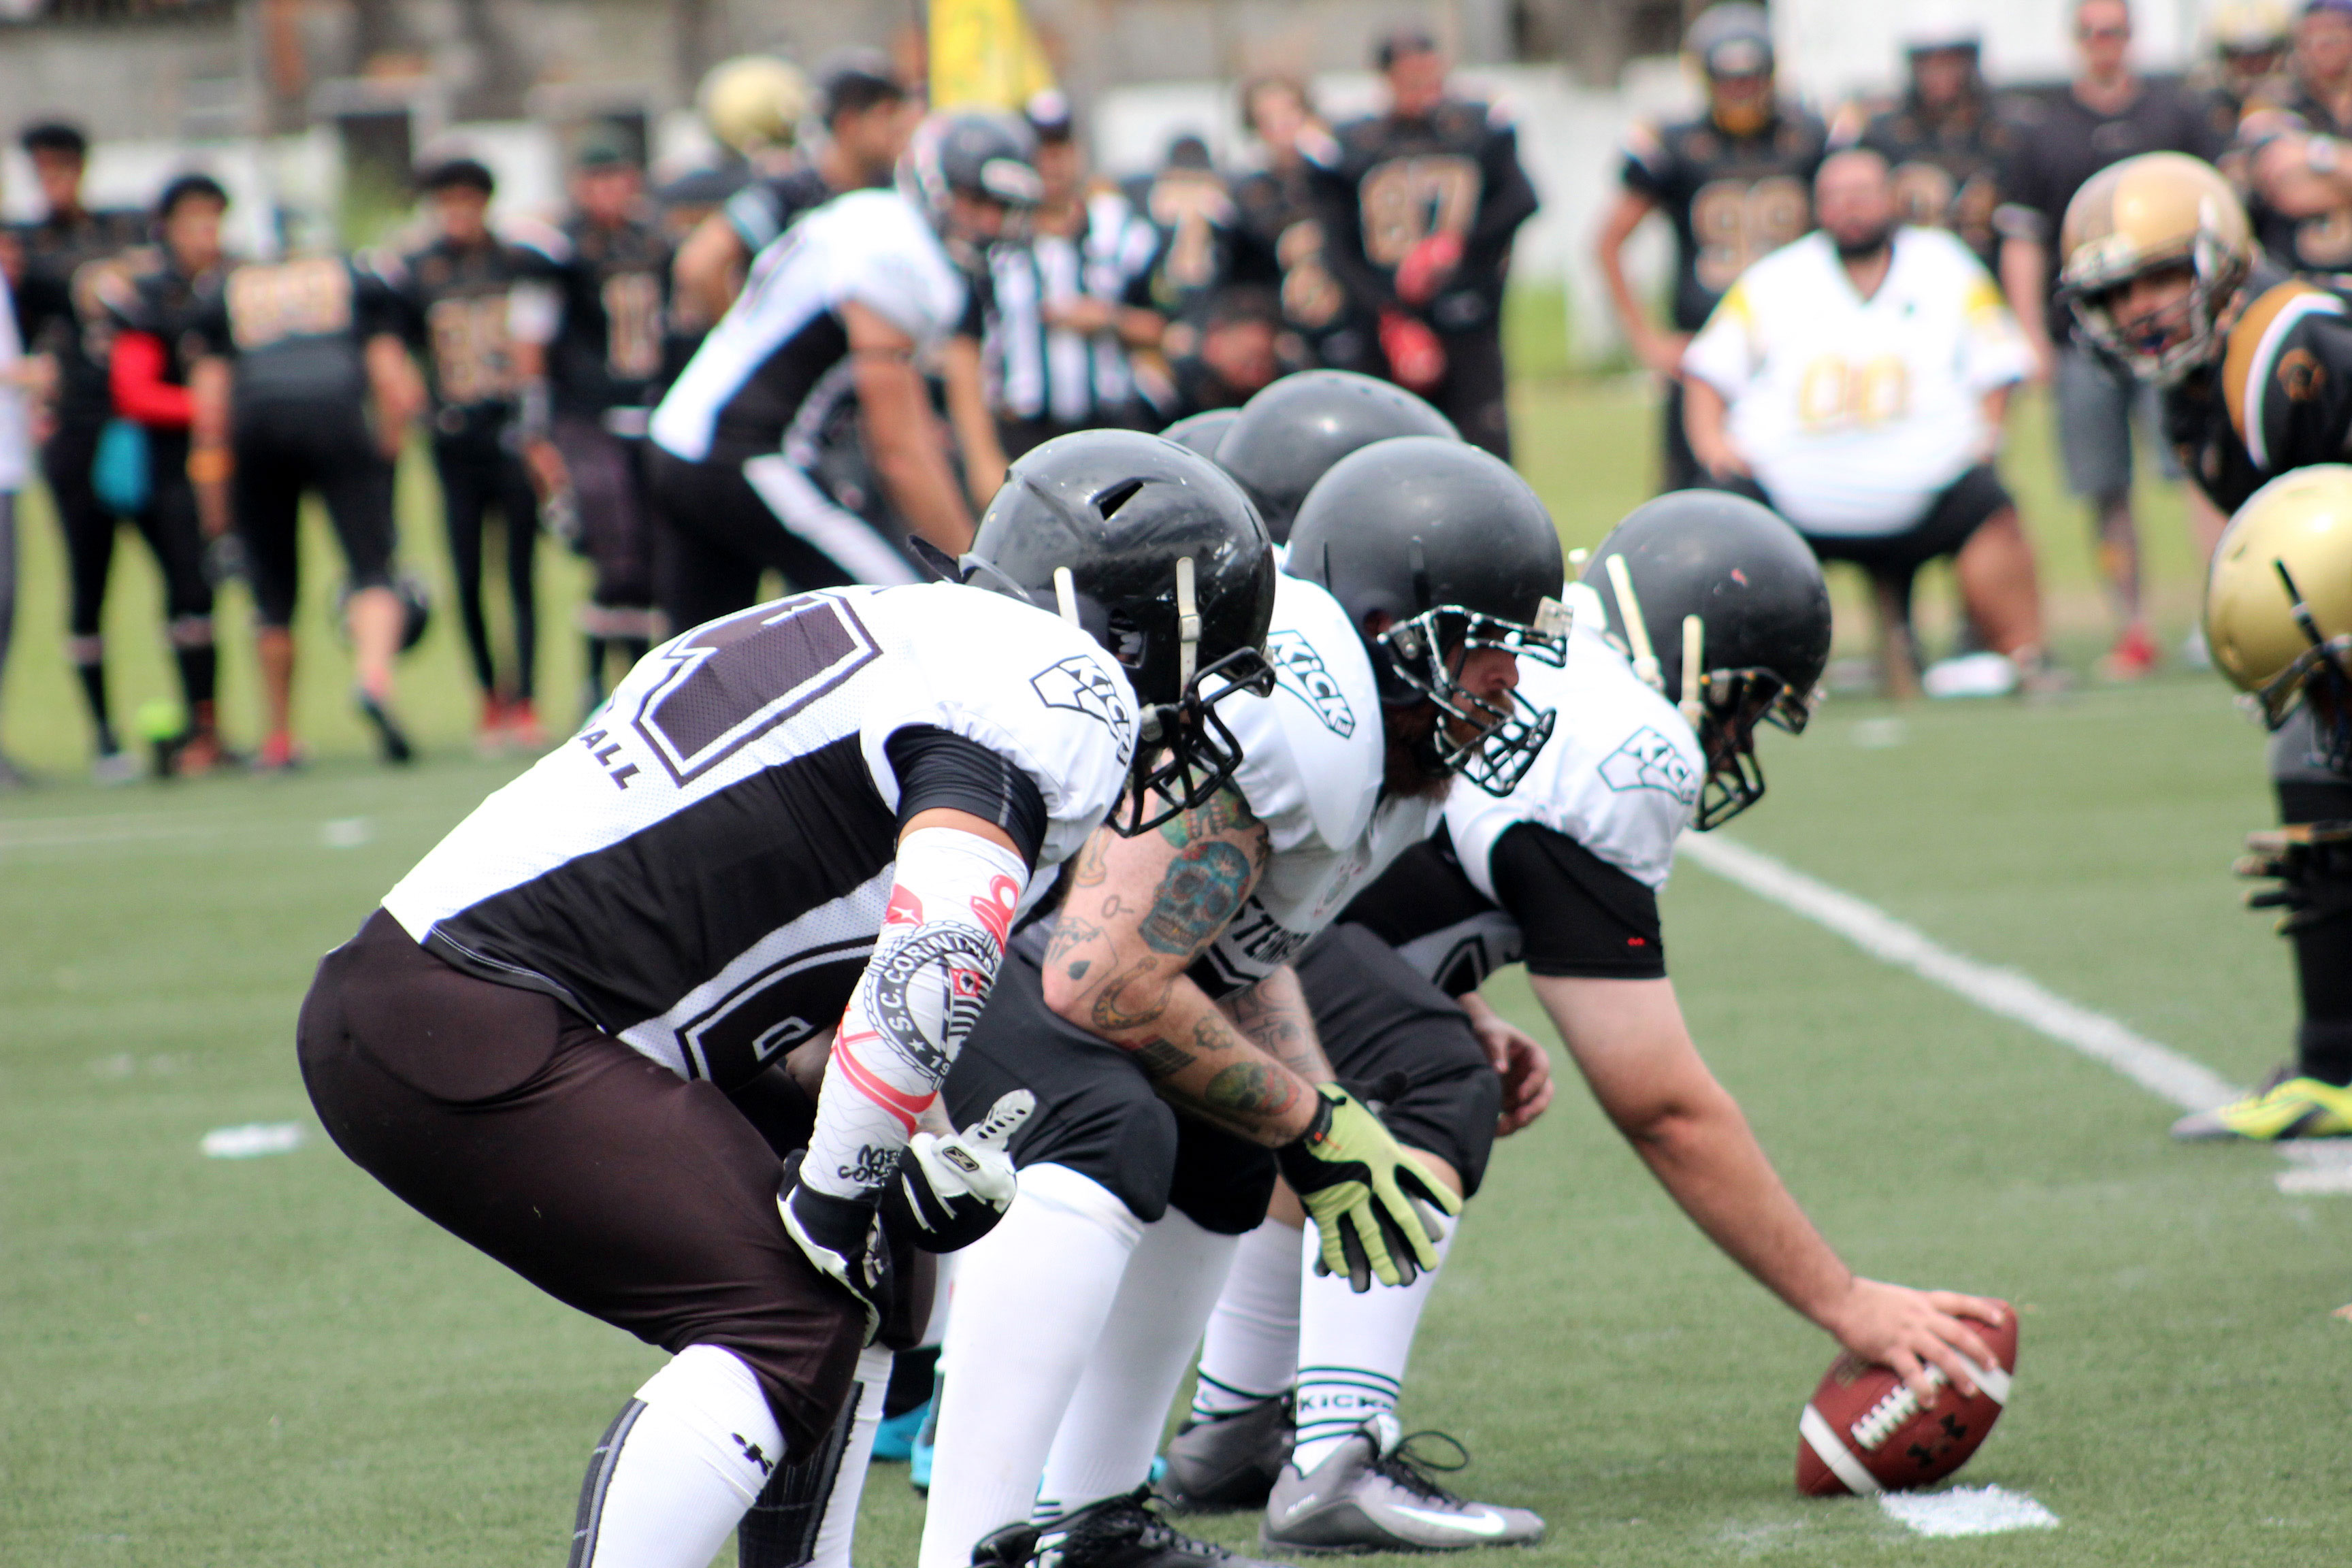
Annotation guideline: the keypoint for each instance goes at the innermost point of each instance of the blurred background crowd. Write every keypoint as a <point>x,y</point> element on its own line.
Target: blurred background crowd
<point>434,269</point>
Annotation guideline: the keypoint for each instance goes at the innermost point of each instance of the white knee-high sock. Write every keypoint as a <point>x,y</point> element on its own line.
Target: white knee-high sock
<point>1352,1352</point>
<point>1032,1297</point>
<point>1115,1419</point>
<point>835,1536</point>
<point>679,1467</point>
<point>1251,1352</point>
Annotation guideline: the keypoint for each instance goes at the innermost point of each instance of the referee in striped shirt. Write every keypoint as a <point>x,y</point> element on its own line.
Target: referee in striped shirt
<point>1069,308</point>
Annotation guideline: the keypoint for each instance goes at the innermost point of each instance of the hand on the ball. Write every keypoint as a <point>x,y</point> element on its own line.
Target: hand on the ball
<point>1895,1326</point>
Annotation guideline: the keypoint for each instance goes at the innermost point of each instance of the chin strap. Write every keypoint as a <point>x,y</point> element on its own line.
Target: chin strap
<point>1694,649</point>
<point>1066,594</point>
<point>1188,624</point>
<point>1637,631</point>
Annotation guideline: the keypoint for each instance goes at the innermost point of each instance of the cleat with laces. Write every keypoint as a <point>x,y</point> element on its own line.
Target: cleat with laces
<point>1120,1531</point>
<point>2285,1107</point>
<point>1217,1463</point>
<point>1373,1494</point>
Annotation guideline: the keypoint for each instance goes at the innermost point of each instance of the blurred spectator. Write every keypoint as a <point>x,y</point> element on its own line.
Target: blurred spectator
<point>153,310</point>
<point>1419,206</point>
<point>1235,352</point>
<point>319,398</point>
<point>1072,302</point>
<point>1856,382</point>
<point>1203,245</point>
<point>459,291</point>
<point>1277,207</point>
<point>17,378</point>
<point>66,255</point>
<point>2249,41</point>
<point>1733,184</point>
<point>583,426</point>
<point>1943,139</point>
<point>2294,128</point>
<point>867,115</point>
<point>2108,113</point>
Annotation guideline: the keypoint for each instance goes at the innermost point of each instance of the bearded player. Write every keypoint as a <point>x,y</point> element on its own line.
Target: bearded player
<point>2160,267</point>
<point>554,1037</point>
<point>1701,616</point>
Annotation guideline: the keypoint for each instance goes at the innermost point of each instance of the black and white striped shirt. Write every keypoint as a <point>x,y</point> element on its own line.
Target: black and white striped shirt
<point>1053,373</point>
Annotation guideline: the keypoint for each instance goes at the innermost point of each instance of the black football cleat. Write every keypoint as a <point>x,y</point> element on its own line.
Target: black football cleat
<point>1220,1463</point>
<point>1120,1531</point>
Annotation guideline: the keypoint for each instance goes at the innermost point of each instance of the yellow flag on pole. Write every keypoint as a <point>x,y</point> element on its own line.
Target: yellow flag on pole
<point>984,55</point>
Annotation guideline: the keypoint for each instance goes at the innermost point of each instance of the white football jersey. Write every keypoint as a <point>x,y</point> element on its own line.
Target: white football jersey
<point>1853,413</point>
<point>1313,756</point>
<point>1620,773</point>
<point>747,380</point>
<point>702,869</point>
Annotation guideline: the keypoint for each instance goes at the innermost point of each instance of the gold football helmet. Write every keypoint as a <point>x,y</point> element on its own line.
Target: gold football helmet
<point>2278,602</point>
<point>2150,214</point>
<point>754,102</point>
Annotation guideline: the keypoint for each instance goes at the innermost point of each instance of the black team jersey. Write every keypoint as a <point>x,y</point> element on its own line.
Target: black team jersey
<point>2321,242</point>
<point>1277,208</point>
<point>614,289</point>
<point>1946,165</point>
<point>1384,185</point>
<point>770,204</point>
<point>295,331</point>
<point>1730,199</point>
<point>159,299</point>
<point>456,300</point>
<point>59,304</point>
<point>2281,398</point>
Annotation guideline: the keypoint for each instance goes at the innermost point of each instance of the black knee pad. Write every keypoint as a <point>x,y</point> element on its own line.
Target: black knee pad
<point>1097,1113</point>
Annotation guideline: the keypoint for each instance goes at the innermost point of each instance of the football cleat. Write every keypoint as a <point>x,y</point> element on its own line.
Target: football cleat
<point>2286,1107</point>
<point>1229,1461</point>
<point>1373,1494</point>
<point>1119,1531</point>
<point>390,739</point>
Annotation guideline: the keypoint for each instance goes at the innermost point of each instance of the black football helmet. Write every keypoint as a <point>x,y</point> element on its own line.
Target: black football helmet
<point>1290,433</point>
<point>1202,432</point>
<point>974,153</point>
<point>1450,550</point>
<point>1721,607</point>
<point>1159,555</point>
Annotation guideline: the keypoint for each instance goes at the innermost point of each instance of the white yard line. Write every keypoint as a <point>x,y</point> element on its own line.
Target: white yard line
<point>2161,1070</point>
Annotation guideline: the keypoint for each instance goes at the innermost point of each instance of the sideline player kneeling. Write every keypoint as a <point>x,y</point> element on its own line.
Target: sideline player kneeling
<point>1699,617</point>
<point>554,1036</point>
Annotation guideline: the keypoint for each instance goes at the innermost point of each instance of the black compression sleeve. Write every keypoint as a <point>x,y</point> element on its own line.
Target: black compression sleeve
<point>940,771</point>
<point>1579,916</point>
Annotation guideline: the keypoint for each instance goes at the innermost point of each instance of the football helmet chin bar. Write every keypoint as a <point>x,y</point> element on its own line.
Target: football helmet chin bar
<point>1423,652</point>
<point>2321,678</point>
<point>1184,753</point>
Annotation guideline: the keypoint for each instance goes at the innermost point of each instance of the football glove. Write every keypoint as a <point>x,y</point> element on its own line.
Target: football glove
<point>1370,1200</point>
<point>950,1191</point>
<point>842,1237</point>
<point>1416,359</point>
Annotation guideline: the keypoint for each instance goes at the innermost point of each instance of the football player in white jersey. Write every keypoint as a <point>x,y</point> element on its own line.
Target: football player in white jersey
<point>1700,616</point>
<point>1159,1026</point>
<point>560,1039</point>
<point>824,346</point>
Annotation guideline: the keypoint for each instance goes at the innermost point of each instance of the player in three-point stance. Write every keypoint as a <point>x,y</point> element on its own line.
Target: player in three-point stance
<point>2160,267</point>
<point>1159,1025</point>
<point>558,1038</point>
<point>1699,618</point>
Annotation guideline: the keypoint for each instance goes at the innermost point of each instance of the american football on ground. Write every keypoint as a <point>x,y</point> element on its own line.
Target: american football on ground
<point>1864,1431</point>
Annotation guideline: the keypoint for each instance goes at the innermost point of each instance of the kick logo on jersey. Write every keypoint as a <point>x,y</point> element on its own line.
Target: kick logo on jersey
<point>1649,760</point>
<point>1298,669</point>
<point>1080,685</point>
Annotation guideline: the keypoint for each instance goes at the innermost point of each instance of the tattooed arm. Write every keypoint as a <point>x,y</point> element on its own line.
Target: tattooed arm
<point>1139,910</point>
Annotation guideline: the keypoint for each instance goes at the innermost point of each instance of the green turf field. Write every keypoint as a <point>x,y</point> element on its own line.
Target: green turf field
<point>271,1361</point>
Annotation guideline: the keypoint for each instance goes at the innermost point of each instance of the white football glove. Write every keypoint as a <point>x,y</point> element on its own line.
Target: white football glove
<point>949,1191</point>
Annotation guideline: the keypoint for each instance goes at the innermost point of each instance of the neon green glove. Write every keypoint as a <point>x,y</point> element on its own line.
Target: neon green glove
<point>1371,1200</point>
